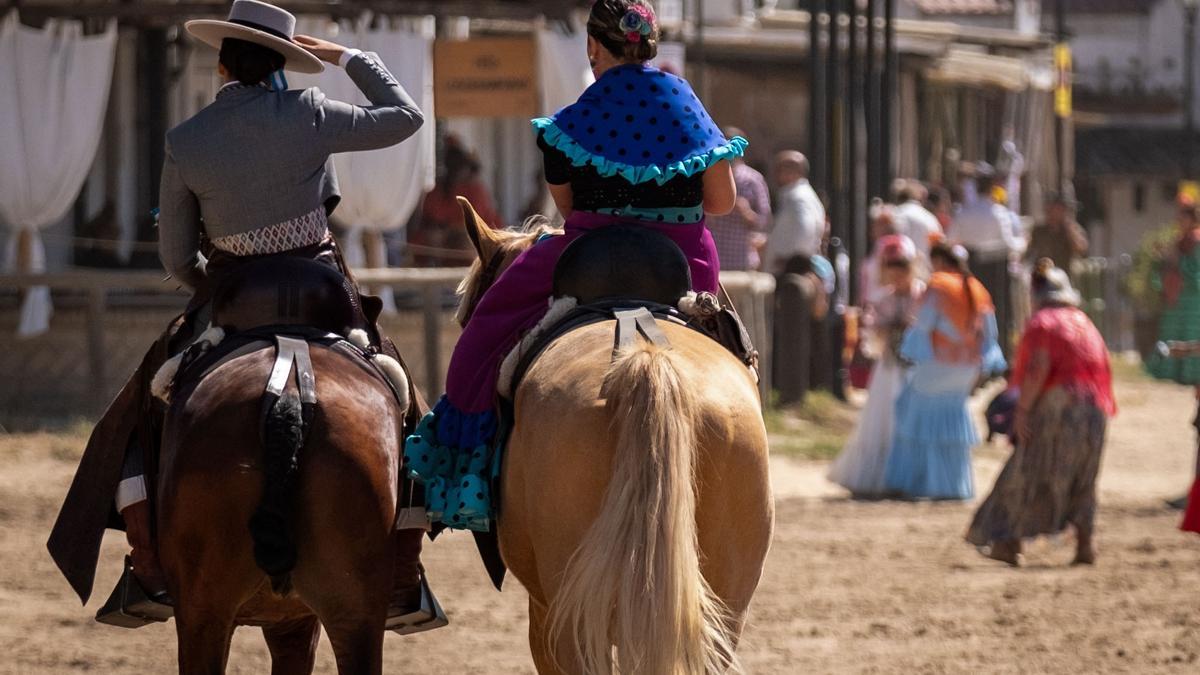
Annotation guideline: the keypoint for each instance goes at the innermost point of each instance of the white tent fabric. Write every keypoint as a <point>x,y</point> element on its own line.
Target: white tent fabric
<point>55,82</point>
<point>564,72</point>
<point>381,188</point>
<point>563,67</point>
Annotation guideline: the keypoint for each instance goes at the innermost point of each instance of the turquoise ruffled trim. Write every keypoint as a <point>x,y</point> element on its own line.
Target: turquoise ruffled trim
<point>548,130</point>
<point>451,454</point>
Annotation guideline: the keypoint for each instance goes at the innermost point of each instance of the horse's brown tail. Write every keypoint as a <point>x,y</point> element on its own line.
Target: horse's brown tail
<point>271,524</point>
<point>635,580</point>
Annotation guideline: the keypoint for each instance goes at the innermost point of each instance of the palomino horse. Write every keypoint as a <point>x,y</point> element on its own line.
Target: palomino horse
<point>635,507</point>
<point>333,553</point>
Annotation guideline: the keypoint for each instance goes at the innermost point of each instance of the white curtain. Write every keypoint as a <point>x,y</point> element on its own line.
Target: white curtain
<point>563,68</point>
<point>55,82</point>
<point>380,188</point>
<point>564,72</point>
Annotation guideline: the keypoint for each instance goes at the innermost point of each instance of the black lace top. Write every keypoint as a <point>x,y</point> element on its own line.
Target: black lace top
<point>678,200</point>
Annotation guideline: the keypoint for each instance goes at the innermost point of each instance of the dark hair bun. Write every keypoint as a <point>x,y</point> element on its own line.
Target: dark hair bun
<point>608,24</point>
<point>249,63</point>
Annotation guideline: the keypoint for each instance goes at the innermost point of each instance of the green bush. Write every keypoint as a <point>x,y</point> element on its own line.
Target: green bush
<point>1142,284</point>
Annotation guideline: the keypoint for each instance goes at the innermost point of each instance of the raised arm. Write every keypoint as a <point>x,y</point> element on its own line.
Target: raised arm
<point>342,127</point>
<point>179,226</point>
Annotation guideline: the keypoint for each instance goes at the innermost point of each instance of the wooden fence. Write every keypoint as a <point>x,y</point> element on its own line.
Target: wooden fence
<point>426,352</point>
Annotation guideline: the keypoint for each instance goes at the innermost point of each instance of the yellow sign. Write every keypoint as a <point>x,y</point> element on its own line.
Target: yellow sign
<point>1189,191</point>
<point>1062,88</point>
<point>488,77</point>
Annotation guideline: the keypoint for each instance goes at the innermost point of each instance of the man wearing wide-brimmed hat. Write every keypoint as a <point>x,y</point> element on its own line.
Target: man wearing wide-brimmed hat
<point>249,175</point>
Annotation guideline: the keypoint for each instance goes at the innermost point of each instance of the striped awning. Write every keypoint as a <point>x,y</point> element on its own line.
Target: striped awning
<point>961,66</point>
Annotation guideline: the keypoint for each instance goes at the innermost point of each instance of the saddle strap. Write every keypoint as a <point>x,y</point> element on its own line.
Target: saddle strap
<point>289,352</point>
<point>630,322</point>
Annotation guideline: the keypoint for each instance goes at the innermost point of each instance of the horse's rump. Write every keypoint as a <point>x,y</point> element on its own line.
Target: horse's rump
<point>215,457</point>
<point>616,459</point>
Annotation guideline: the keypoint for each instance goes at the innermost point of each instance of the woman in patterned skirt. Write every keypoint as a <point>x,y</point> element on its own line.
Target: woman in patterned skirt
<point>1065,382</point>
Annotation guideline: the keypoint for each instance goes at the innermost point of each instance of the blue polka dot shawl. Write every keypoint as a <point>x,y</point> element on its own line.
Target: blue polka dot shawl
<point>640,123</point>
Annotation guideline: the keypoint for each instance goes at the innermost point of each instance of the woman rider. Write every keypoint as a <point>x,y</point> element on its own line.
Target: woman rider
<point>249,175</point>
<point>637,148</point>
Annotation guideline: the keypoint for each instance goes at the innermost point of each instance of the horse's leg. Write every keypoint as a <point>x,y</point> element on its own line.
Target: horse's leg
<point>210,569</point>
<point>539,644</point>
<point>293,645</point>
<point>204,635</point>
<point>354,621</point>
<point>344,569</point>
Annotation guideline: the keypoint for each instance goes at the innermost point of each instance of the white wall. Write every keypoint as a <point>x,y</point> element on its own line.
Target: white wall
<point>1127,224</point>
<point>1147,47</point>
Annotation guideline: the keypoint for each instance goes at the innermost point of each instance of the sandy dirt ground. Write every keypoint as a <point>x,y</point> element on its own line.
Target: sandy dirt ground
<point>850,587</point>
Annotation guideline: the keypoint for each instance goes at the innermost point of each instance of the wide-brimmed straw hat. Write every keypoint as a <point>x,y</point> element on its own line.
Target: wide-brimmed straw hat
<point>1051,285</point>
<point>262,24</point>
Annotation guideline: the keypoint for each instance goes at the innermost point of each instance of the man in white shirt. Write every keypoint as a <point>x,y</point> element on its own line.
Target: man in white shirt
<point>913,220</point>
<point>799,216</point>
<point>985,229</point>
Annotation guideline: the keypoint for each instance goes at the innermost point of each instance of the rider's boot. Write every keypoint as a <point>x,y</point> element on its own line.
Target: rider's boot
<point>412,608</point>
<point>144,555</point>
<point>406,579</point>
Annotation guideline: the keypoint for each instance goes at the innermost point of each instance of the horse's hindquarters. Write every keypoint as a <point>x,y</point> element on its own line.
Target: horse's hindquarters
<point>341,509</point>
<point>559,465</point>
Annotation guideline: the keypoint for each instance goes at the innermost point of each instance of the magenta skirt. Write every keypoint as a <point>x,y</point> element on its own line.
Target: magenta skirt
<point>521,297</point>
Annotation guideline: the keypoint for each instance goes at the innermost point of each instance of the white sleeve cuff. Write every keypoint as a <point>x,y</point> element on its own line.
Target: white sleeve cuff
<point>130,491</point>
<point>347,55</point>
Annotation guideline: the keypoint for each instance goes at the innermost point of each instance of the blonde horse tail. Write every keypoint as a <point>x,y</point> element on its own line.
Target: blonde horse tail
<point>635,580</point>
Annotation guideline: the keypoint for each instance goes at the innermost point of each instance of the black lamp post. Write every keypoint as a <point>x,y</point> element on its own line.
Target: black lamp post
<point>1189,85</point>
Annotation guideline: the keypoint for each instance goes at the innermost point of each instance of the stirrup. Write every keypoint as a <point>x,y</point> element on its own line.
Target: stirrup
<point>130,606</point>
<point>428,617</point>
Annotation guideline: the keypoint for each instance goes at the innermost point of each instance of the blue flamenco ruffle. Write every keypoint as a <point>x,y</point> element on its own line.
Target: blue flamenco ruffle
<point>548,130</point>
<point>451,453</point>
<point>933,435</point>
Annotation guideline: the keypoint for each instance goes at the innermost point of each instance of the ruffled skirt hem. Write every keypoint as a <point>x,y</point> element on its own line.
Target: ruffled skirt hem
<point>451,453</point>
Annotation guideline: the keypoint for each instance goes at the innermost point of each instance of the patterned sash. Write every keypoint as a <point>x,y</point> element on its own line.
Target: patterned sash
<point>306,230</point>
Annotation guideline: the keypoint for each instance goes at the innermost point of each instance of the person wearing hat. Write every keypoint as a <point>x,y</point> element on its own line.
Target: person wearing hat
<point>1065,381</point>
<point>888,313</point>
<point>1058,237</point>
<point>249,175</point>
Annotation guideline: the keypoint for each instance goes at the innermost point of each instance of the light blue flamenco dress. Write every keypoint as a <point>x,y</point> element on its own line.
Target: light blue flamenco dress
<point>931,444</point>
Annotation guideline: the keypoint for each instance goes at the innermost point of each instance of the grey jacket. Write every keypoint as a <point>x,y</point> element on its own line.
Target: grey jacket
<point>256,157</point>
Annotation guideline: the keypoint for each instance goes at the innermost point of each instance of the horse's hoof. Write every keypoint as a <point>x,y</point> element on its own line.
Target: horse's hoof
<point>1084,558</point>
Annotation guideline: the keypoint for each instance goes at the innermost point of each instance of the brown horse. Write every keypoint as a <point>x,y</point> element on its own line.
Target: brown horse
<point>636,505</point>
<point>337,527</point>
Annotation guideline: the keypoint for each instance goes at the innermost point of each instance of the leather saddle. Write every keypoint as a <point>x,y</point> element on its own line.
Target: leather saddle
<point>623,262</point>
<point>286,291</point>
